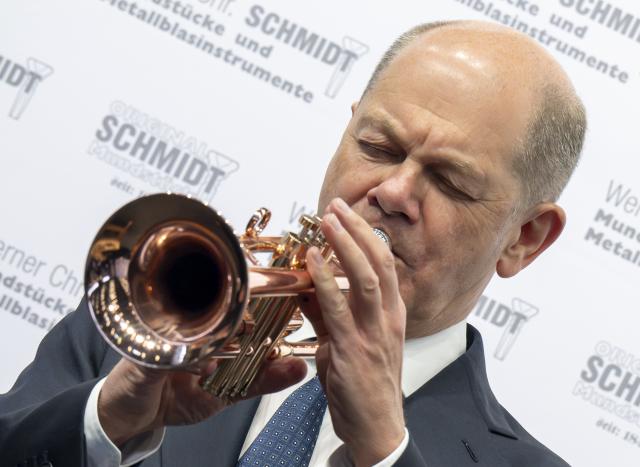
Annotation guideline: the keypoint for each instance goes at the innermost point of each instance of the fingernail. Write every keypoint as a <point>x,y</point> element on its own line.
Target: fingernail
<point>315,255</point>
<point>342,206</point>
<point>334,222</point>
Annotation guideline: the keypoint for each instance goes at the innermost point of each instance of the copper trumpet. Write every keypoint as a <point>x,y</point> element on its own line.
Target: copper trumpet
<point>169,285</point>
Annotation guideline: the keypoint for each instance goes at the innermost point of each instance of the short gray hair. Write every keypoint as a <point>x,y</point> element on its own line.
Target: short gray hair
<point>549,153</point>
<point>551,149</point>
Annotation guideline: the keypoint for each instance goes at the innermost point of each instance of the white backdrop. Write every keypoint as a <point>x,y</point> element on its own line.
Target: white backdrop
<point>258,92</point>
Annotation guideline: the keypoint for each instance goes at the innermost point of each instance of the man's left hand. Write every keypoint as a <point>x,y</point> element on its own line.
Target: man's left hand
<point>361,336</point>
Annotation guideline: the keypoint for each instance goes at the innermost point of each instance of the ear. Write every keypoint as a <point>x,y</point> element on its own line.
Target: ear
<point>354,106</point>
<point>541,227</point>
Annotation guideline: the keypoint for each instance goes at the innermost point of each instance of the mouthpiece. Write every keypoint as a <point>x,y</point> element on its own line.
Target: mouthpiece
<point>382,235</point>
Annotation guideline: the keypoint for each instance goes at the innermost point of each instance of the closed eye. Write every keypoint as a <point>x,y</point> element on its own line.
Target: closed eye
<point>450,188</point>
<point>377,152</point>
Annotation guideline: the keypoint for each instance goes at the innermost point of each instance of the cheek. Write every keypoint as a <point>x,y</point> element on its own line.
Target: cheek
<point>347,178</point>
<point>409,285</point>
<point>469,244</point>
<point>465,227</point>
<point>459,244</point>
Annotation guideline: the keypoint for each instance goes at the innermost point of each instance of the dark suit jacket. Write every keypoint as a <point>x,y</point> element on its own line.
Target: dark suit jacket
<point>453,420</point>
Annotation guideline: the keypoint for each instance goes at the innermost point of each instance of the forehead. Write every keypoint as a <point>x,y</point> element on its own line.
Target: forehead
<point>450,92</point>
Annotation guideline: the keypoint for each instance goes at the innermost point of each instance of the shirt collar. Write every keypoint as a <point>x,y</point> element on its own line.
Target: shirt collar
<point>424,357</point>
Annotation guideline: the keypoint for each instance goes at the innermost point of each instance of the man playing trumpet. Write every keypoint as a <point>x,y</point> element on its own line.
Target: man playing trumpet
<point>462,141</point>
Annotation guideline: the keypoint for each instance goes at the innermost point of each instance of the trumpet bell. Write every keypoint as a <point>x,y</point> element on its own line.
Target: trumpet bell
<point>167,281</point>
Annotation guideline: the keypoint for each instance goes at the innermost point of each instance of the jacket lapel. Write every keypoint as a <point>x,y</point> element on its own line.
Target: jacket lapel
<point>486,402</point>
<point>453,415</point>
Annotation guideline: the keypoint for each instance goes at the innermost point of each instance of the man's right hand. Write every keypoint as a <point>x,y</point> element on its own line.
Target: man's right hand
<point>135,400</point>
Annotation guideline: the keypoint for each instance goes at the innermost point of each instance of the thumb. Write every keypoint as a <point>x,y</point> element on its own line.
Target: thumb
<point>139,379</point>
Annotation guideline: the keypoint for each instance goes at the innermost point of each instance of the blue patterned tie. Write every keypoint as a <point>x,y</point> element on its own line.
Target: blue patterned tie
<point>290,436</point>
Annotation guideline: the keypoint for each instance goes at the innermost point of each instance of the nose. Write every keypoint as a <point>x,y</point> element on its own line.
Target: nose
<point>398,192</point>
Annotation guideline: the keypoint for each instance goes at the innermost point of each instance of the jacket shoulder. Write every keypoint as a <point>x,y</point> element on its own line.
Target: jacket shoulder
<point>529,451</point>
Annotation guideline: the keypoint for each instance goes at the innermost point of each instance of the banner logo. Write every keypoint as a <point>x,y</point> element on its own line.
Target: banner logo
<point>341,57</point>
<point>610,382</point>
<point>25,78</point>
<point>162,156</point>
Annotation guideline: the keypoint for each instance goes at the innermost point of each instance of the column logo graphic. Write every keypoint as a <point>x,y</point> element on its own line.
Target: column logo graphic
<point>25,78</point>
<point>511,319</point>
<point>352,50</point>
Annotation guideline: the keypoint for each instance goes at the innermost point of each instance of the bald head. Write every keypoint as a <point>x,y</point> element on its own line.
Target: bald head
<point>548,117</point>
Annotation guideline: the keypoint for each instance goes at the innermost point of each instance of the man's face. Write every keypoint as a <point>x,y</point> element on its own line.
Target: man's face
<point>427,157</point>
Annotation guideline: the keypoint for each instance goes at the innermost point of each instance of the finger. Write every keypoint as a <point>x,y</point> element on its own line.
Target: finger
<point>336,314</point>
<point>364,284</point>
<point>206,369</point>
<point>198,403</point>
<point>380,257</point>
<point>311,309</point>
<point>276,375</point>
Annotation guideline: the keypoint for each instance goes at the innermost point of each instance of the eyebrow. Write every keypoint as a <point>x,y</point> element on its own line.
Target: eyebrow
<point>442,158</point>
<point>461,166</point>
<point>381,123</point>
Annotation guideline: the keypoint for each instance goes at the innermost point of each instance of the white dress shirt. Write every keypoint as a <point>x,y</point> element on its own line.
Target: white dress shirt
<point>423,358</point>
